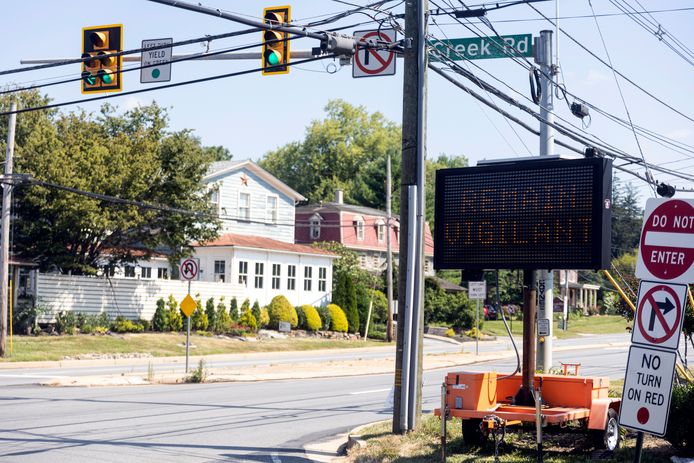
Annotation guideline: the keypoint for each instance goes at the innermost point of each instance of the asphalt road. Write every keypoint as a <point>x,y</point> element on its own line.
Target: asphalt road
<point>264,421</point>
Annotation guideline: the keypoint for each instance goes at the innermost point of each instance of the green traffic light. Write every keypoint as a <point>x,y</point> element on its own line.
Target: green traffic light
<point>89,78</point>
<point>273,57</point>
<point>106,76</point>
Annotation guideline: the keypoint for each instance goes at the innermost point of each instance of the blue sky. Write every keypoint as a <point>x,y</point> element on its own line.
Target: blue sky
<point>234,112</point>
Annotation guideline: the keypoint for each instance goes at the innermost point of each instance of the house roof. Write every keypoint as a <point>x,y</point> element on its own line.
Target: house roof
<point>221,168</point>
<point>259,242</point>
<point>338,207</point>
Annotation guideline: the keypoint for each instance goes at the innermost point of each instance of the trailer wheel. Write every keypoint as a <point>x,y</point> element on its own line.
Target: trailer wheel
<point>473,436</point>
<point>609,438</point>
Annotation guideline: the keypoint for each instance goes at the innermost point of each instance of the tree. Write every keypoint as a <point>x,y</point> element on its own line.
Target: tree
<point>627,217</point>
<point>442,162</point>
<point>346,150</point>
<point>130,156</point>
<point>218,153</point>
<point>345,296</point>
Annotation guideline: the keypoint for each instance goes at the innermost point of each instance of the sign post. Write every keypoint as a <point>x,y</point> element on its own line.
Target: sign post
<point>188,270</point>
<point>477,290</point>
<point>665,264</point>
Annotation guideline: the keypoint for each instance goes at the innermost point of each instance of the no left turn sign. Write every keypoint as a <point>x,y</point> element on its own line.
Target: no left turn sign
<point>659,314</point>
<point>369,62</point>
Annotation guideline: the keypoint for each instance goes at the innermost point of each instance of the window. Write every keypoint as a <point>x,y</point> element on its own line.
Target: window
<point>259,271</point>
<point>276,269</point>
<point>381,231</point>
<point>243,273</point>
<point>291,277</point>
<point>214,200</point>
<point>315,226</point>
<point>146,272</point>
<point>307,278</point>
<point>220,270</point>
<point>244,206</point>
<point>427,265</point>
<point>359,225</point>
<point>322,278</point>
<point>376,261</point>
<point>163,273</point>
<point>362,261</point>
<point>271,209</point>
<point>129,271</point>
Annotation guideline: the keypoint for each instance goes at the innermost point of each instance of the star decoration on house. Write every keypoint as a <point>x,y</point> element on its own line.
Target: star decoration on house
<point>244,179</point>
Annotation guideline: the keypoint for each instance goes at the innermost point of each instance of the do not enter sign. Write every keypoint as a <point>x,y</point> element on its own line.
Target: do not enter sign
<point>666,252</point>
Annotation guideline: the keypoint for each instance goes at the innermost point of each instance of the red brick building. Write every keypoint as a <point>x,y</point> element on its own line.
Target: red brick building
<point>361,229</point>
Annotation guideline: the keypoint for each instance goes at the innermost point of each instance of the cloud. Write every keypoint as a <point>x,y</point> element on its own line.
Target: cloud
<point>132,103</point>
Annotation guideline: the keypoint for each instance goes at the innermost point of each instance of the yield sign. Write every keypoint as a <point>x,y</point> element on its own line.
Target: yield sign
<point>370,62</point>
<point>666,250</point>
<point>659,315</point>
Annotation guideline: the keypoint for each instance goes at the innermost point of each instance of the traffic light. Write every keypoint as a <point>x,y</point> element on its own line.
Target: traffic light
<point>276,43</point>
<point>102,72</point>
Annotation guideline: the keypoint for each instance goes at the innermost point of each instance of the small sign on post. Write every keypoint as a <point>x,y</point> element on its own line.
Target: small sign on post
<point>372,62</point>
<point>477,289</point>
<point>189,269</point>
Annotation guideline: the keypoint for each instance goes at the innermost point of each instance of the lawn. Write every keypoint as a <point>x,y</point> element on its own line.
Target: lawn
<point>597,324</point>
<point>423,445</point>
<point>37,348</point>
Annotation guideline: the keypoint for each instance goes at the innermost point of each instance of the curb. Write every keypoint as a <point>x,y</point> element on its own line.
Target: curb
<point>354,438</point>
<point>443,339</point>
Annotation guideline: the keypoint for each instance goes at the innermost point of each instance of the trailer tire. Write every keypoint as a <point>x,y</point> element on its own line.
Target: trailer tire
<point>473,436</point>
<point>610,437</point>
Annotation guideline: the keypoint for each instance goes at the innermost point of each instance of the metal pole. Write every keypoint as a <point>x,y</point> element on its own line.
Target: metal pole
<point>639,447</point>
<point>477,328</point>
<point>389,253</point>
<point>525,394</point>
<point>188,333</point>
<point>5,229</point>
<point>11,303</point>
<point>546,278</point>
<point>566,299</point>
<point>444,416</point>
<point>412,181</point>
<point>407,337</point>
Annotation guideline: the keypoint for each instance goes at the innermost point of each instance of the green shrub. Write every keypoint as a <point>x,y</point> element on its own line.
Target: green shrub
<point>311,318</point>
<point>301,317</point>
<point>160,320</point>
<point>222,319</point>
<point>145,324</point>
<point>264,319</point>
<point>338,319</point>
<point>450,333</point>
<point>245,305</point>
<point>25,318</point>
<point>281,310</point>
<point>123,325</point>
<point>248,319</point>
<point>345,296</point>
<point>234,309</point>
<point>89,324</point>
<point>256,311</point>
<point>199,375</point>
<point>211,314</point>
<point>325,316</point>
<point>680,430</point>
<point>198,319</point>
<point>175,316</point>
<point>65,322</point>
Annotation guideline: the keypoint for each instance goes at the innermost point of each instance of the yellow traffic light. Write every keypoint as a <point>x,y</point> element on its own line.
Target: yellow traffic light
<point>102,72</point>
<point>276,43</point>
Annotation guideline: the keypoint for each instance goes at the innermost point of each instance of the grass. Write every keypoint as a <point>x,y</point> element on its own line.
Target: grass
<point>423,445</point>
<point>597,324</point>
<point>38,348</point>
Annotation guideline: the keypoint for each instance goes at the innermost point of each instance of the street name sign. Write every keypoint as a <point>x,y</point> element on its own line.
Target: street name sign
<point>504,46</point>
<point>477,289</point>
<point>159,60</point>
<point>666,251</point>
<point>369,62</point>
<point>659,314</point>
<point>189,269</point>
<point>647,390</point>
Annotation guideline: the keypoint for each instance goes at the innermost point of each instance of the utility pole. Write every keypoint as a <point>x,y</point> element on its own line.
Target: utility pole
<point>545,280</point>
<point>389,252</point>
<point>5,230</point>
<point>408,362</point>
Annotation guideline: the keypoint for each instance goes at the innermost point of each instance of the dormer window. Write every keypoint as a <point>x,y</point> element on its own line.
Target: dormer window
<point>314,223</point>
<point>381,230</point>
<point>214,200</point>
<point>359,226</point>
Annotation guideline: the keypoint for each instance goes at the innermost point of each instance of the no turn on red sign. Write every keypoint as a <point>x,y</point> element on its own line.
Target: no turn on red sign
<point>647,390</point>
<point>666,251</point>
<point>370,62</point>
<point>659,314</point>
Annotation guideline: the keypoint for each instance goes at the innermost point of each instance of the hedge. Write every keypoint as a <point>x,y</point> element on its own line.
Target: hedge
<point>338,319</point>
<point>280,310</point>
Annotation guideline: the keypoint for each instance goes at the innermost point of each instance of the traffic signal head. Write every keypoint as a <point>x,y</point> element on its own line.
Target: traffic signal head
<point>101,73</point>
<point>276,43</point>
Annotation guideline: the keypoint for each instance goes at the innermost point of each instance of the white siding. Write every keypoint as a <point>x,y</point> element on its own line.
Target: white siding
<point>229,188</point>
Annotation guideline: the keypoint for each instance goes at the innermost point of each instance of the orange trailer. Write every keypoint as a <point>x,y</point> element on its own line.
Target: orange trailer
<point>475,397</point>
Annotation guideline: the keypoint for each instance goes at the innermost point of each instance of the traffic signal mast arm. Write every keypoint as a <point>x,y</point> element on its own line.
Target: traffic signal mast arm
<point>330,42</point>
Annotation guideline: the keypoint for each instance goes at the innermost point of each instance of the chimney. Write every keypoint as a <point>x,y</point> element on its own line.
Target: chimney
<point>338,196</point>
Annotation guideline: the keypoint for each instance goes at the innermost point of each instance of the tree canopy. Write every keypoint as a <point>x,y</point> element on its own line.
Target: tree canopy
<point>129,155</point>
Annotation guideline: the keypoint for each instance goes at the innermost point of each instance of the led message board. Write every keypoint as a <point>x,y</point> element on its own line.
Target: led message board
<point>530,214</point>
